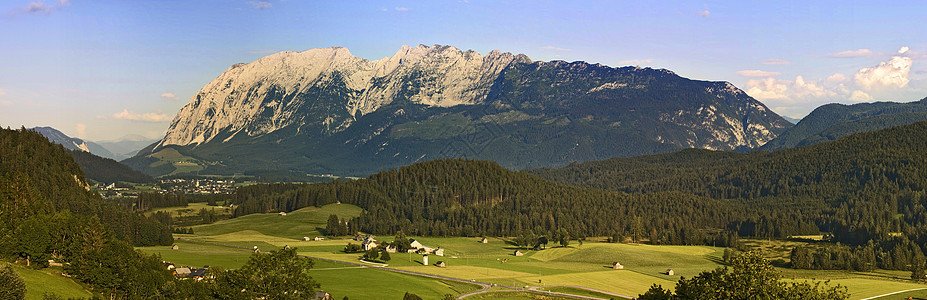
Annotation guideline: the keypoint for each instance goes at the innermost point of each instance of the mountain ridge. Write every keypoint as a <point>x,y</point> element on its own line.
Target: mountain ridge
<point>324,110</point>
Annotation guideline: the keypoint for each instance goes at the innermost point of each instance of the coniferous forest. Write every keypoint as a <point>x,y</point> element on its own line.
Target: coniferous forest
<point>47,212</point>
<point>865,191</point>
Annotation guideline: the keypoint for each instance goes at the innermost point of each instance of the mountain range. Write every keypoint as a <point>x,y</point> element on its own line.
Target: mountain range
<point>58,137</point>
<point>327,111</point>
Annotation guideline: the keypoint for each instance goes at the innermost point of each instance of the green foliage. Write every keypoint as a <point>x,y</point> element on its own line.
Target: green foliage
<point>107,170</point>
<point>336,226</point>
<point>372,254</point>
<point>826,187</point>
<point>749,277</point>
<point>11,285</point>
<point>833,121</point>
<point>353,248</point>
<point>280,274</point>
<point>384,256</point>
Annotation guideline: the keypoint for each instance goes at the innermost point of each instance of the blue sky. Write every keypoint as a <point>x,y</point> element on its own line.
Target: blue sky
<point>103,69</point>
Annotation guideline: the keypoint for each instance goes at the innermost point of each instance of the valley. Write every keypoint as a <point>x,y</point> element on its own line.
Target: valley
<point>227,244</point>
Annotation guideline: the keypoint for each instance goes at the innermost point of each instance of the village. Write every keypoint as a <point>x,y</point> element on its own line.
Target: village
<point>168,186</point>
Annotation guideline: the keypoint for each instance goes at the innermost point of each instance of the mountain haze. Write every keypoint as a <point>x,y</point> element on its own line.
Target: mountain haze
<point>58,137</point>
<point>325,110</point>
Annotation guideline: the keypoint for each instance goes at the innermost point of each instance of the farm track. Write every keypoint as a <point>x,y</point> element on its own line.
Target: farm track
<point>485,286</point>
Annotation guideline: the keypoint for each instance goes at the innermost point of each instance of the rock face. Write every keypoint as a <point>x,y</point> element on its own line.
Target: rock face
<point>325,90</point>
<point>324,110</point>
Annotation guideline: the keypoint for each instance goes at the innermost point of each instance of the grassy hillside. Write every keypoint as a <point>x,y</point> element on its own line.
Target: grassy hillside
<point>40,282</point>
<point>305,222</point>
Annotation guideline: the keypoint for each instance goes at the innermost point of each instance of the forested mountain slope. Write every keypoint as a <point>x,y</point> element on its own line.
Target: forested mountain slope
<point>833,121</point>
<point>46,209</point>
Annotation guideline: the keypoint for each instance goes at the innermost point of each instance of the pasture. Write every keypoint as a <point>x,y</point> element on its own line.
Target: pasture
<point>588,265</point>
<point>39,282</point>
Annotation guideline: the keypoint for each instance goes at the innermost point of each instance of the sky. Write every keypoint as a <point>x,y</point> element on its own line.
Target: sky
<point>100,70</point>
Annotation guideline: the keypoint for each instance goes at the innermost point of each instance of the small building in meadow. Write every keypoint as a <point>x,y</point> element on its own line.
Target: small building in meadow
<point>319,238</point>
<point>617,266</point>
<point>413,244</point>
<point>670,272</point>
<point>391,249</point>
<point>322,295</point>
<point>283,213</point>
<point>368,244</point>
<point>518,253</point>
<point>175,247</point>
<point>438,252</point>
<point>441,264</point>
<point>306,239</point>
<point>484,241</point>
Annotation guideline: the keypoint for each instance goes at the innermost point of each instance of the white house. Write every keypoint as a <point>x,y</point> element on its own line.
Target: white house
<point>368,244</point>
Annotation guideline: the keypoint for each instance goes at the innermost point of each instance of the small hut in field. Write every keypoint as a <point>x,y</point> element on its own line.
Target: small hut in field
<point>617,266</point>
<point>518,253</point>
<point>670,272</point>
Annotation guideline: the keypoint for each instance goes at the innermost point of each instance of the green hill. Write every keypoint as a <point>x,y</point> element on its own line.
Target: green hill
<point>833,121</point>
<point>107,170</point>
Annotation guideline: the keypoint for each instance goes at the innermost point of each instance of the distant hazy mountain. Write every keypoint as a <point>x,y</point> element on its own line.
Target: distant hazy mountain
<point>58,137</point>
<point>126,146</point>
<point>327,111</point>
<point>833,121</point>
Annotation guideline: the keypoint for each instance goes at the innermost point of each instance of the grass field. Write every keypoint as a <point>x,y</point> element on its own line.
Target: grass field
<point>190,209</point>
<point>919,294</point>
<point>39,282</point>
<point>296,224</point>
<point>586,265</point>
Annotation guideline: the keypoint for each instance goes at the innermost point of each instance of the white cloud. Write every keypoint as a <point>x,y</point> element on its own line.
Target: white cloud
<point>767,88</point>
<point>81,130</point>
<point>776,61</point>
<point>704,13</point>
<point>636,62</point>
<point>261,4</point>
<point>892,73</point>
<point>554,48</point>
<point>169,96</point>
<point>757,73</point>
<point>903,50</point>
<point>402,9</point>
<point>853,53</point>
<point>145,117</point>
<point>38,8</point>
<point>860,96</point>
<point>837,77</point>
<point>789,90</point>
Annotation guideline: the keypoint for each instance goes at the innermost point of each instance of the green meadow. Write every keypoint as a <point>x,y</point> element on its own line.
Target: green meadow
<point>587,265</point>
<point>49,280</point>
